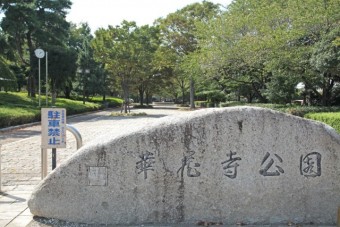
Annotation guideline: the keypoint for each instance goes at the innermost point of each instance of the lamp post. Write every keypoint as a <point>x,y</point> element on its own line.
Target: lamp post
<point>46,79</point>
<point>39,53</point>
<point>84,72</point>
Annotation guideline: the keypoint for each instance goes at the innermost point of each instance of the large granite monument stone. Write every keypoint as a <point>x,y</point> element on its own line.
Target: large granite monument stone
<point>233,165</point>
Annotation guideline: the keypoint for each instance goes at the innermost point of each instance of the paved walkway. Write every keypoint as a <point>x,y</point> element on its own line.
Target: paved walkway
<point>21,161</point>
<point>21,156</point>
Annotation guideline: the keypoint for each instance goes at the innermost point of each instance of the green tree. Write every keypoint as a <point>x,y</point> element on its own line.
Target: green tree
<point>62,69</point>
<point>163,64</point>
<point>33,24</point>
<point>118,48</point>
<point>179,32</point>
<point>147,42</point>
<point>264,45</point>
<point>7,77</point>
<point>325,60</point>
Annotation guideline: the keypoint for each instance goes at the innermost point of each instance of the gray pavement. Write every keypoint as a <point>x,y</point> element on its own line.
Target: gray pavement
<point>21,160</point>
<point>21,156</point>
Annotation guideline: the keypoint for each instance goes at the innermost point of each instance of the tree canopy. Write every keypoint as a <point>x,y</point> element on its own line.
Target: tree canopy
<point>253,50</point>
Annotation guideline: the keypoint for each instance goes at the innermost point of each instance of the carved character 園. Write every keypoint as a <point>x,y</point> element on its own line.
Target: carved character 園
<point>310,165</point>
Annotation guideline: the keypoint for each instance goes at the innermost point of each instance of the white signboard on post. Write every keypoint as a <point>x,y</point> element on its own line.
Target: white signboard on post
<point>53,128</point>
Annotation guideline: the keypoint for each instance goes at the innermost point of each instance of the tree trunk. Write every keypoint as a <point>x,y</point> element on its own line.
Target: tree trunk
<point>141,95</point>
<point>54,94</point>
<point>238,95</point>
<point>125,87</point>
<point>192,93</point>
<point>83,96</point>
<point>183,92</point>
<point>326,92</point>
<point>29,81</point>
<point>31,77</point>
<point>147,94</point>
<point>54,97</point>
<point>258,93</point>
<point>67,92</point>
<point>250,97</point>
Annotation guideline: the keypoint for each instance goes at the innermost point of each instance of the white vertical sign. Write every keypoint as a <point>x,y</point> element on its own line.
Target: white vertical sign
<point>53,128</point>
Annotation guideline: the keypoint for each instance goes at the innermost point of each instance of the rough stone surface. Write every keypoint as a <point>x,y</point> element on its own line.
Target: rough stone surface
<point>232,165</point>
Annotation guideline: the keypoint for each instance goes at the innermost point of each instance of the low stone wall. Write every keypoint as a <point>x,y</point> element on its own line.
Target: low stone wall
<point>232,165</point>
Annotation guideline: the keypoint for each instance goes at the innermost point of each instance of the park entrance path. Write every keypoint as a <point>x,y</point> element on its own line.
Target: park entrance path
<point>21,161</point>
<point>21,155</point>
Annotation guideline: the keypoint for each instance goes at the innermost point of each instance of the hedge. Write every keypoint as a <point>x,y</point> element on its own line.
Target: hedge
<point>332,119</point>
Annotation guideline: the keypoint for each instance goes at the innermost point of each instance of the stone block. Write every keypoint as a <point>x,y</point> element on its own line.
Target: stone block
<point>232,165</point>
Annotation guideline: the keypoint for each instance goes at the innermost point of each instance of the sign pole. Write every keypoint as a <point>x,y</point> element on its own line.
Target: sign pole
<point>46,79</point>
<point>54,158</point>
<point>53,134</point>
<point>43,163</point>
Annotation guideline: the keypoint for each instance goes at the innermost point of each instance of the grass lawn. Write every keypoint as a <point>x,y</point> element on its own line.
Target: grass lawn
<point>17,108</point>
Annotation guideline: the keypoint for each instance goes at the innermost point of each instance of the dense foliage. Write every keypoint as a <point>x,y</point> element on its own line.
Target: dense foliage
<point>251,50</point>
<point>261,49</point>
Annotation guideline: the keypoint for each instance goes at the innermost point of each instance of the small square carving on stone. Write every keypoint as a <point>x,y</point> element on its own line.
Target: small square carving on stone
<point>97,176</point>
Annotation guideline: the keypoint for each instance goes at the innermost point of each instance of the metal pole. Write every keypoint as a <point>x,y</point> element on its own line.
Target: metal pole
<point>54,158</point>
<point>0,167</point>
<point>46,78</point>
<point>76,134</point>
<point>338,216</point>
<point>43,163</point>
<point>39,86</point>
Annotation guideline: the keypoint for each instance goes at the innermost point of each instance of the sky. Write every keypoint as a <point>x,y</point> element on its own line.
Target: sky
<point>101,13</point>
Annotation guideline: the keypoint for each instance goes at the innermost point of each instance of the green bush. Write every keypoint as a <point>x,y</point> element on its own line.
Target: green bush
<point>201,103</point>
<point>332,119</point>
<point>76,107</point>
<point>296,110</point>
<point>214,96</point>
<point>18,115</point>
<point>109,101</point>
<point>210,104</point>
<point>232,103</point>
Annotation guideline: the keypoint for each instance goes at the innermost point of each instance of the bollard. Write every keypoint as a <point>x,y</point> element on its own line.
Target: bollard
<point>76,134</point>
<point>44,161</point>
